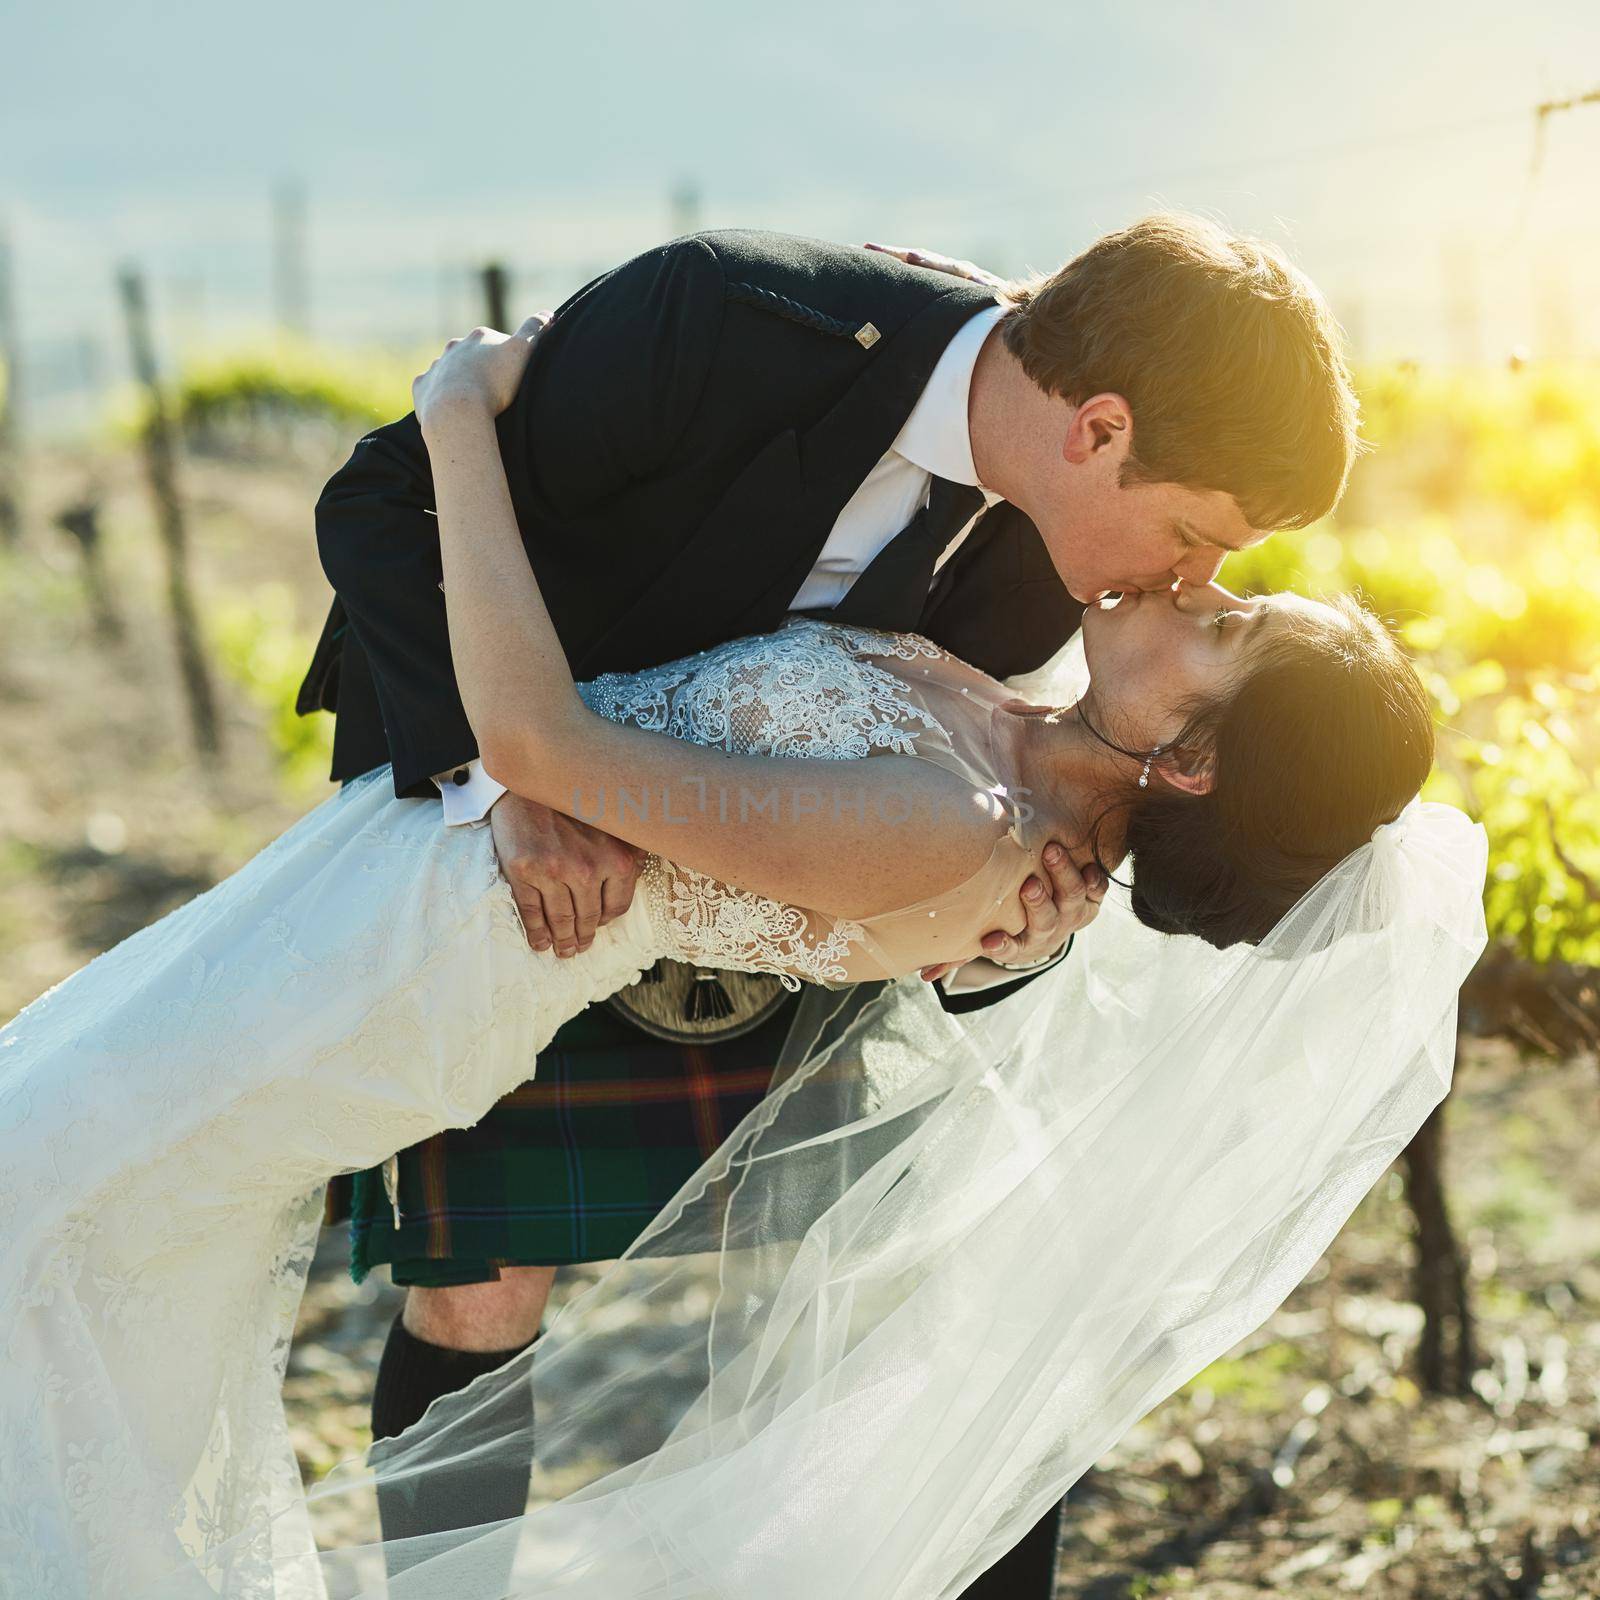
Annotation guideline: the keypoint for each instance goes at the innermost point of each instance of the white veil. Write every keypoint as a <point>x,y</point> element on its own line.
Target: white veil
<point>944,1266</point>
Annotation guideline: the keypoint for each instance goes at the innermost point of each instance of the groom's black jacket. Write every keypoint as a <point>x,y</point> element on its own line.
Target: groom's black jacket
<point>687,432</point>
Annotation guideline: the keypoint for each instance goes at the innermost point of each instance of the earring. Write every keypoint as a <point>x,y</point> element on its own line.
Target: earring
<point>1144,777</point>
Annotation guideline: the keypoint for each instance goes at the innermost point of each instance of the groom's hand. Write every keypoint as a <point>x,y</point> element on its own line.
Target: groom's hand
<point>932,259</point>
<point>568,878</point>
<point>1055,907</point>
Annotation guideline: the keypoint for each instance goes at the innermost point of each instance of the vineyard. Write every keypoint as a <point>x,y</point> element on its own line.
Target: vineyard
<point>1474,527</point>
<point>1423,1416</point>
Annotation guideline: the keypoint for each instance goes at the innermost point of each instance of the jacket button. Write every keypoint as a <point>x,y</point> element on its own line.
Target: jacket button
<point>459,776</point>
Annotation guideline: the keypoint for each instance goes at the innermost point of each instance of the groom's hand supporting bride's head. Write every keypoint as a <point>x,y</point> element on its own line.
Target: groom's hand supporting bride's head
<point>1054,907</point>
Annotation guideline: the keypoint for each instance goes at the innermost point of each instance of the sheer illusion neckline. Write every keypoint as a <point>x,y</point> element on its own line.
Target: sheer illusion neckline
<point>1014,842</point>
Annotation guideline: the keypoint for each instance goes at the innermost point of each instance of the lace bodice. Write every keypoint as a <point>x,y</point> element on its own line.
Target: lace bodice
<point>823,691</point>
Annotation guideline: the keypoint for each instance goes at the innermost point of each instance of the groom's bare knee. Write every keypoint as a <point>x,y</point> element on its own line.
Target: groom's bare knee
<point>482,1316</point>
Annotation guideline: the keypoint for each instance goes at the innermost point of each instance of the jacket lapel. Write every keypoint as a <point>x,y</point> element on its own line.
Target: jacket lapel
<point>840,450</point>
<point>740,569</point>
<point>998,602</point>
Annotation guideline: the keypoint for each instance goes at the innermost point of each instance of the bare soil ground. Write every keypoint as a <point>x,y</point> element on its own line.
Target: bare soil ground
<point>1306,1463</point>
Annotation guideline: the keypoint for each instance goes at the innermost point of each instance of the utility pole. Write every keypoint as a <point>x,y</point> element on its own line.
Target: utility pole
<point>685,208</point>
<point>1542,114</point>
<point>161,464</point>
<point>10,405</point>
<point>497,296</point>
<point>291,288</point>
<point>1462,305</point>
<point>444,285</point>
<point>1554,336</point>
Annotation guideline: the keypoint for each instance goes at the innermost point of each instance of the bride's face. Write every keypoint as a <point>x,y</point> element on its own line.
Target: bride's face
<point>1151,654</point>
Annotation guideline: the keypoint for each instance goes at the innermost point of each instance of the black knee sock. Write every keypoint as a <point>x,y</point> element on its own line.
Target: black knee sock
<point>411,1375</point>
<point>1027,1571</point>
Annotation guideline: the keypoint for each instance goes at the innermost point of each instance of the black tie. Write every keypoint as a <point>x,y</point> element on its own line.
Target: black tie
<point>893,589</point>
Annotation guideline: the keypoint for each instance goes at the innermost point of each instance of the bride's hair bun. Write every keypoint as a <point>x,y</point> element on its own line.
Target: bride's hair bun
<point>1327,736</point>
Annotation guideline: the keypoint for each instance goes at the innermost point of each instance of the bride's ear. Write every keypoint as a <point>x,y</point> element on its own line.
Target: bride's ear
<point>1193,771</point>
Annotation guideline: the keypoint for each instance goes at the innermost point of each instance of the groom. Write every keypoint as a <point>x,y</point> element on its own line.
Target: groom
<point>729,427</point>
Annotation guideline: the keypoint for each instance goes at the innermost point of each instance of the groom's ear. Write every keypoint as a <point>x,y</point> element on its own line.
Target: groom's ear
<point>1193,771</point>
<point>1101,424</point>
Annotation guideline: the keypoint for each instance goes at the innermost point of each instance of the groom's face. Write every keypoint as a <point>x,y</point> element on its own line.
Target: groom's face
<point>1107,536</point>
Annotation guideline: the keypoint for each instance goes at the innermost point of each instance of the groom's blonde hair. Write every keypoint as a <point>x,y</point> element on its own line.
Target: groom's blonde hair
<point>1229,358</point>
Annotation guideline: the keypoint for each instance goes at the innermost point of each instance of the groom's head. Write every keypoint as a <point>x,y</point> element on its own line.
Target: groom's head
<point>1185,395</point>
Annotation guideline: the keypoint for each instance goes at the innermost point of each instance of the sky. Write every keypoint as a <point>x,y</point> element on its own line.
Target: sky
<point>1389,147</point>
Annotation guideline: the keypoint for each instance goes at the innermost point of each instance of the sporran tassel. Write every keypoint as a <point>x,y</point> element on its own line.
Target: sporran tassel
<point>707,1000</point>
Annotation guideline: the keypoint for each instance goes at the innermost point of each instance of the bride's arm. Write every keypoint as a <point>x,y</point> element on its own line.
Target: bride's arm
<point>847,839</point>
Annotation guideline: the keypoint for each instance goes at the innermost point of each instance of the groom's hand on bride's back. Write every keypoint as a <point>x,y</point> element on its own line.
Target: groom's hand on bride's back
<point>568,878</point>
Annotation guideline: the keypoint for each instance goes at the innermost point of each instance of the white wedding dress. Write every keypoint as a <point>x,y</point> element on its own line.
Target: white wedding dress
<point>169,1114</point>
<point>943,1266</point>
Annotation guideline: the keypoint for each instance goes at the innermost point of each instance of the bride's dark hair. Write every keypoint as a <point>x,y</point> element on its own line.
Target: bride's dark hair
<point>1327,734</point>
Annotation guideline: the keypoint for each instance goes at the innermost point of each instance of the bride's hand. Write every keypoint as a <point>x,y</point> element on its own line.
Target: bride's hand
<point>481,372</point>
<point>938,263</point>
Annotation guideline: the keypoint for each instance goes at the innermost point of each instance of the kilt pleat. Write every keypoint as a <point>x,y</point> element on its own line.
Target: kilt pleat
<point>568,1167</point>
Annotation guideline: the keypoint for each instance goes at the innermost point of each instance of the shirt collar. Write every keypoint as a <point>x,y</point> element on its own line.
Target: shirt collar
<point>936,436</point>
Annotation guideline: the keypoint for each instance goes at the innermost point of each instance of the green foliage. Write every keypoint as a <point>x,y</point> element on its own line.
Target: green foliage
<point>1490,572</point>
<point>1523,1205</point>
<point>49,591</point>
<point>1261,1381</point>
<point>298,379</point>
<point>272,387</point>
<point>1385,1515</point>
<point>1534,607</point>
<point>1527,442</point>
<point>1525,773</point>
<point>1149,1586</point>
<point>260,649</point>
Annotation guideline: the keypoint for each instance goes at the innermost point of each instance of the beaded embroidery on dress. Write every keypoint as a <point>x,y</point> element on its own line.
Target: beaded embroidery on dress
<point>821,691</point>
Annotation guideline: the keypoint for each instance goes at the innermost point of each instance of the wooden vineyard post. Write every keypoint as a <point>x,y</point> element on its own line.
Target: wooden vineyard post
<point>1447,1354</point>
<point>160,462</point>
<point>82,521</point>
<point>496,297</point>
<point>10,406</point>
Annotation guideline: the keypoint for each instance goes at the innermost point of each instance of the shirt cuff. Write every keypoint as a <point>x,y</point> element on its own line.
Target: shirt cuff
<point>982,973</point>
<point>468,792</point>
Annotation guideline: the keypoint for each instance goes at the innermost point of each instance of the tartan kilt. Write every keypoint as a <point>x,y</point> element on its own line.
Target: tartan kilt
<point>568,1167</point>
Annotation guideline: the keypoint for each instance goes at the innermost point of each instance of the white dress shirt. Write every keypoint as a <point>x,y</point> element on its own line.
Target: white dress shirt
<point>935,440</point>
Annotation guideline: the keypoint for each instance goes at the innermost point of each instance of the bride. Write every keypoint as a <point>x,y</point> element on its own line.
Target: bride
<point>888,1381</point>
